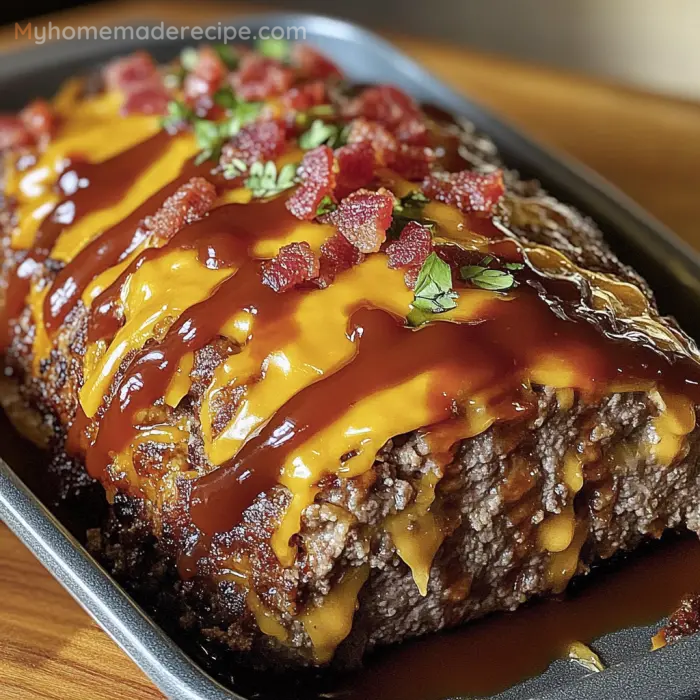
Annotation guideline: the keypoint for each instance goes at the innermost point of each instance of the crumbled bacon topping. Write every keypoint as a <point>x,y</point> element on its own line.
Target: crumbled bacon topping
<point>363,217</point>
<point>355,167</point>
<point>311,64</point>
<point>206,77</point>
<point>295,263</point>
<point>188,204</point>
<point>413,246</point>
<point>411,162</point>
<point>468,191</point>
<point>137,78</point>
<point>301,98</point>
<point>259,78</point>
<point>39,119</point>
<point>337,254</point>
<point>13,133</point>
<point>317,181</point>
<point>258,141</point>
<point>393,109</point>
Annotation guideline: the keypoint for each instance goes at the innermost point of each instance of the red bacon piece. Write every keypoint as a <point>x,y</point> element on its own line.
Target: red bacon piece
<point>188,204</point>
<point>261,140</point>
<point>137,78</point>
<point>39,120</point>
<point>468,191</point>
<point>206,78</point>
<point>363,217</point>
<point>313,65</point>
<point>317,182</point>
<point>337,254</point>
<point>13,133</point>
<point>295,263</point>
<point>395,110</point>
<point>258,78</point>
<point>355,167</point>
<point>149,100</point>
<point>411,162</point>
<point>125,74</point>
<point>301,98</point>
<point>413,246</point>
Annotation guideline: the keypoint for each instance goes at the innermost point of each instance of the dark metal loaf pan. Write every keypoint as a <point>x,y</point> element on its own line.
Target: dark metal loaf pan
<point>671,267</point>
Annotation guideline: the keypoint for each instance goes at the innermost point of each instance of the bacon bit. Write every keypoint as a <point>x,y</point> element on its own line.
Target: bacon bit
<point>188,204</point>
<point>410,277</point>
<point>682,623</point>
<point>395,110</point>
<point>150,100</point>
<point>258,77</point>
<point>206,78</point>
<point>301,98</point>
<point>413,246</point>
<point>137,78</point>
<point>337,254</point>
<point>411,162</point>
<point>355,167</point>
<point>363,217</point>
<point>124,74</point>
<point>259,141</point>
<point>469,191</point>
<point>39,120</point>
<point>313,65</point>
<point>13,133</point>
<point>317,181</point>
<point>295,263</point>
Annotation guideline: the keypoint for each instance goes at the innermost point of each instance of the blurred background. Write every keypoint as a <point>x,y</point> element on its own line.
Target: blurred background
<point>652,44</point>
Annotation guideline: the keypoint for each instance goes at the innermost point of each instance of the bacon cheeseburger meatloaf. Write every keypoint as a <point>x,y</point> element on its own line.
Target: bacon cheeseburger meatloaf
<point>357,380</point>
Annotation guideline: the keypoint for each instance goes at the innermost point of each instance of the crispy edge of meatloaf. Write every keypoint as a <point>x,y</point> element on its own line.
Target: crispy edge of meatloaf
<point>499,488</point>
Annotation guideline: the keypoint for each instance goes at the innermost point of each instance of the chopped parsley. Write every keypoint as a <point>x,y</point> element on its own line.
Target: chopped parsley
<point>279,49</point>
<point>189,58</point>
<point>493,280</point>
<point>264,181</point>
<point>227,54</point>
<point>409,208</point>
<point>433,292</point>
<point>326,206</point>
<point>178,114</point>
<point>235,168</point>
<point>320,133</point>
<point>211,137</point>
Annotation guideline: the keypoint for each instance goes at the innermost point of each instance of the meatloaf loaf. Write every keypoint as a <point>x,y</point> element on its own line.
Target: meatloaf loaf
<point>356,379</point>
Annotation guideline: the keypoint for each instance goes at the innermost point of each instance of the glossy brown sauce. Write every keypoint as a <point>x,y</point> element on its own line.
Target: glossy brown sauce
<point>86,187</point>
<point>490,655</point>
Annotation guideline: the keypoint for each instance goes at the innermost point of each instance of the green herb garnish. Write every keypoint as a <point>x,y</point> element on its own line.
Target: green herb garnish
<point>320,133</point>
<point>178,114</point>
<point>264,180</point>
<point>409,208</point>
<point>279,49</point>
<point>189,57</point>
<point>227,54</point>
<point>487,278</point>
<point>211,135</point>
<point>433,292</point>
<point>514,266</point>
<point>326,206</point>
<point>233,169</point>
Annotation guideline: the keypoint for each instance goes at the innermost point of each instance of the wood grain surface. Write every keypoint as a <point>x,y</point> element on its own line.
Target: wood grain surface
<point>649,146</point>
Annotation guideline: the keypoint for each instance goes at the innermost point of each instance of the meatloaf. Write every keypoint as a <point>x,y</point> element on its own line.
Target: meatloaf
<point>350,378</point>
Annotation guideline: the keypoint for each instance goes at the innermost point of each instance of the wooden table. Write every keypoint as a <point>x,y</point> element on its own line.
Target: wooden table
<point>649,146</point>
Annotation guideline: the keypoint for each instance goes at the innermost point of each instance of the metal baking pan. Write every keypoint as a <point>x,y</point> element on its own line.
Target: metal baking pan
<point>671,267</point>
